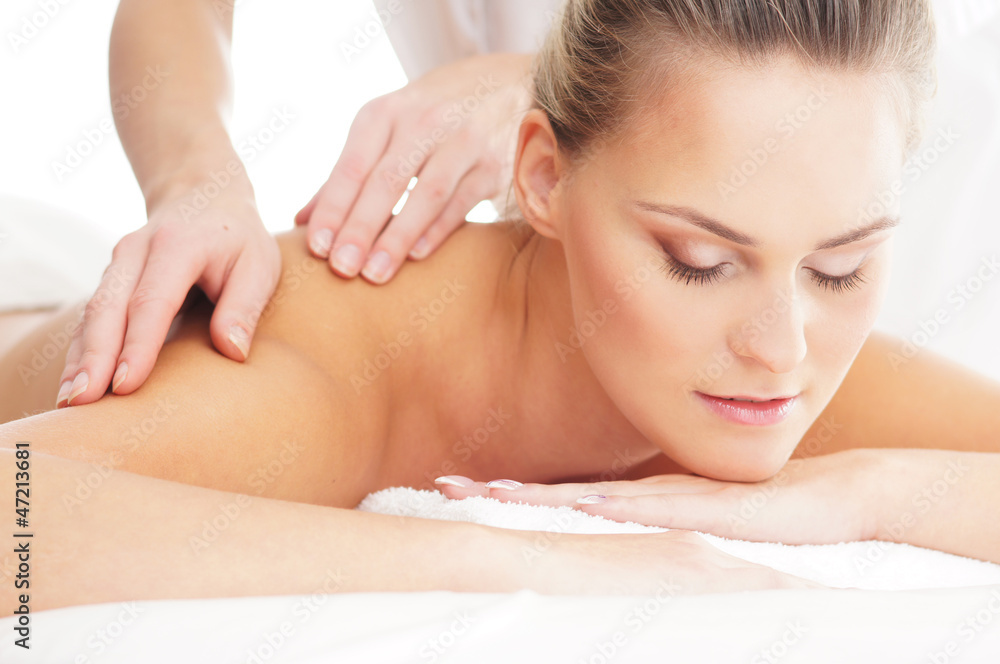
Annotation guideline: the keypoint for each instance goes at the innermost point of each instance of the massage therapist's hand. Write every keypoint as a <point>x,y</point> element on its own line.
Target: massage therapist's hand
<point>223,248</point>
<point>819,500</point>
<point>453,129</point>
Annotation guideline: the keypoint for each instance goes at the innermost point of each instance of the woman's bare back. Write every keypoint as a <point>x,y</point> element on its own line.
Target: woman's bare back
<point>334,401</point>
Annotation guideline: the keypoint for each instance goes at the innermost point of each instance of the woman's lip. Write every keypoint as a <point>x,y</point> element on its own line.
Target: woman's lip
<point>745,397</point>
<point>744,412</point>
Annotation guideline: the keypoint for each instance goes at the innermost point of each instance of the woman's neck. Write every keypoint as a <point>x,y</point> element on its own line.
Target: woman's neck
<point>561,422</point>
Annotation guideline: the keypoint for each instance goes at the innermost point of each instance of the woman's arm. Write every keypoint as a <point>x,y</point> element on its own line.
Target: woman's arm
<point>938,499</point>
<point>139,538</point>
<point>135,537</point>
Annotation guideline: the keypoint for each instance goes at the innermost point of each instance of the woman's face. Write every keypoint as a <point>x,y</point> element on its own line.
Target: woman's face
<point>723,248</point>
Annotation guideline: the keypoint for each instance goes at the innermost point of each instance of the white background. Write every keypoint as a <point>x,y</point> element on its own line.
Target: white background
<point>287,55</point>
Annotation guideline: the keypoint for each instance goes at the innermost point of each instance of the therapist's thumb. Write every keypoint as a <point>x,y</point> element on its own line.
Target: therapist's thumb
<point>242,303</point>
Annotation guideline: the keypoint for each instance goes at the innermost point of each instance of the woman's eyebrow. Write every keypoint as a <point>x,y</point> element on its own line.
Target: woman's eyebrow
<point>716,227</point>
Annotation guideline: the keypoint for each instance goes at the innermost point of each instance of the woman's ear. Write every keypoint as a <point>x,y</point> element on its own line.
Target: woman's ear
<point>536,173</point>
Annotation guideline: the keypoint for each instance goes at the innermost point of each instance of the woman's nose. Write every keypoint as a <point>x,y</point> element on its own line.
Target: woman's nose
<point>774,333</point>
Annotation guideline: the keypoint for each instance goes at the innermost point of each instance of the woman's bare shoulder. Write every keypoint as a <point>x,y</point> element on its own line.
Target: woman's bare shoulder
<point>898,395</point>
<point>338,320</point>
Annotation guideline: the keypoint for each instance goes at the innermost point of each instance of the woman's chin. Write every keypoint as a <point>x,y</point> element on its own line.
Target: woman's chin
<point>742,462</point>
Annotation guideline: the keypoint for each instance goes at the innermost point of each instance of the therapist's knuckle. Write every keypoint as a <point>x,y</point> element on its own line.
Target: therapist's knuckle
<point>435,190</point>
<point>393,180</point>
<point>127,246</point>
<point>378,107</point>
<point>430,118</point>
<point>351,168</point>
<point>168,238</point>
<point>145,298</point>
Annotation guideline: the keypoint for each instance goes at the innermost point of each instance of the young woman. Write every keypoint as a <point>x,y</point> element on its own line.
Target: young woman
<point>656,324</point>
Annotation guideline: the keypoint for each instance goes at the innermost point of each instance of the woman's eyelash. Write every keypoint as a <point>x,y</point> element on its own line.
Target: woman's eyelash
<point>686,274</point>
<point>842,284</point>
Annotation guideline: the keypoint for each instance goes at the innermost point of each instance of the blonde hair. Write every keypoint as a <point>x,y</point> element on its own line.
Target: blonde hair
<point>604,57</point>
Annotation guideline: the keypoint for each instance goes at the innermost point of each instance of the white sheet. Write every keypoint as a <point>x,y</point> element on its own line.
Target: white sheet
<point>946,623</point>
<point>812,627</point>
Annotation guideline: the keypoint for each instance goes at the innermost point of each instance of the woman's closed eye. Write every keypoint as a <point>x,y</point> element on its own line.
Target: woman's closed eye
<point>686,273</point>
<point>842,284</point>
<point>706,276</point>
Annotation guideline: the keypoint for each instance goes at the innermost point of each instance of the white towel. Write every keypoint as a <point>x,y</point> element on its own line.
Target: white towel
<point>872,565</point>
<point>48,256</point>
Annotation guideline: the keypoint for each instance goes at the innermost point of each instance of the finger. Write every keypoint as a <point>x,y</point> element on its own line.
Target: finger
<point>73,355</point>
<point>243,298</point>
<point>97,339</point>
<point>303,215</point>
<point>553,495</point>
<point>705,513</point>
<point>372,209</point>
<point>459,486</point>
<point>366,143</point>
<point>164,286</point>
<point>72,360</point>
<point>476,186</point>
<point>436,186</point>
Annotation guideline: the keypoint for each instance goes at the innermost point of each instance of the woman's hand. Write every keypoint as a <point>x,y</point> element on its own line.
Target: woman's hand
<point>819,500</point>
<point>220,245</point>
<point>677,562</point>
<point>454,130</point>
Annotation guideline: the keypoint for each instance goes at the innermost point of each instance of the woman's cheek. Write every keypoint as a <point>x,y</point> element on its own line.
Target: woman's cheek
<point>849,320</point>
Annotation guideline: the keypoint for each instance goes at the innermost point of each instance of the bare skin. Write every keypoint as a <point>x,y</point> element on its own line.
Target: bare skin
<point>874,407</point>
<point>178,51</point>
<point>296,387</point>
<point>352,388</point>
<point>202,420</point>
<point>315,353</point>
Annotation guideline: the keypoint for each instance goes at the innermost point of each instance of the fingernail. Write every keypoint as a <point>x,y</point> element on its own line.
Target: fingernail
<point>592,499</point>
<point>322,242</point>
<point>377,267</point>
<point>420,249</point>
<point>504,484</point>
<point>63,392</point>
<point>120,374</point>
<point>239,338</point>
<point>79,386</point>
<point>455,480</point>
<point>347,259</point>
